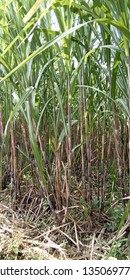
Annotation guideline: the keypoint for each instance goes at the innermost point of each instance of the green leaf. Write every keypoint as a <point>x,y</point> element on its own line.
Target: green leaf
<point>43,48</point>
<point>18,106</point>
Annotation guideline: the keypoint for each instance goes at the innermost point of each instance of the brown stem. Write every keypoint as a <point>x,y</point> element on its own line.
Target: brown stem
<point>1,136</point>
<point>82,128</point>
<point>69,131</point>
<point>119,153</point>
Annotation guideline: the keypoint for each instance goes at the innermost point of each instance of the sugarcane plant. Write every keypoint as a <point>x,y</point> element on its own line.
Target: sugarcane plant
<point>65,98</point>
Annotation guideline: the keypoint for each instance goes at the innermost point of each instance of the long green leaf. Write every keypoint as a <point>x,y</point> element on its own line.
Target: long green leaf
<point>43,48</point>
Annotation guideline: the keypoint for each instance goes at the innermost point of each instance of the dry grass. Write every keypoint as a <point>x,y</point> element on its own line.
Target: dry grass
<point>32,232</point>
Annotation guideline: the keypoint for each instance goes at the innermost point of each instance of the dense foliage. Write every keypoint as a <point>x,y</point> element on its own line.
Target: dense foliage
<point>65,101</point>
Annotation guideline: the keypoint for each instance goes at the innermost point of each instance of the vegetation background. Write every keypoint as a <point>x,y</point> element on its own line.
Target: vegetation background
<point>65,129</point>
